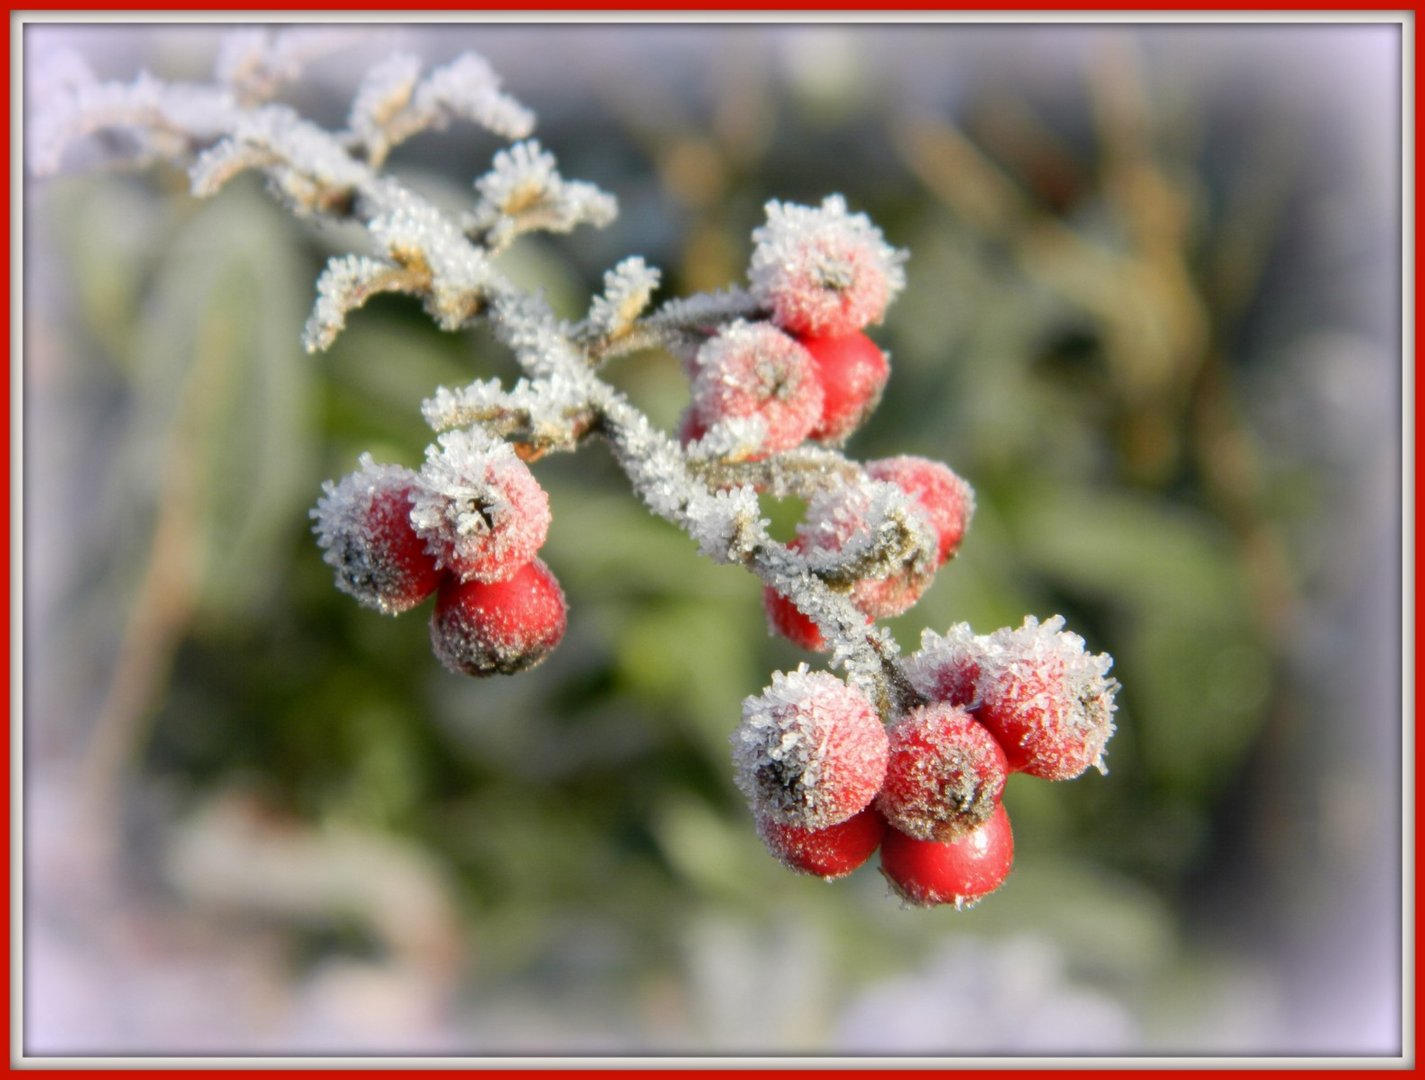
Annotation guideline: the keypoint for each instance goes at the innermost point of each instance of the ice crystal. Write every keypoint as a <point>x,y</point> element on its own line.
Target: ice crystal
<point>255,63</point>
<point>627,289</point>
<point>416,235</point>
<point>345,285</point>
<point>523,191</point>
<point>469,89</point>
<point>392,105</point>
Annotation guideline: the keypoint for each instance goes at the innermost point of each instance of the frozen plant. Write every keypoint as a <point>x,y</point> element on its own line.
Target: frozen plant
<point>906,754</point>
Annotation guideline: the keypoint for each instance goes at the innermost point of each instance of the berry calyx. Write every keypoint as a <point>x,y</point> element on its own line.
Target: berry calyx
<point>810,751</point>
<point>944,776</point>
<point>480,510</point>
<point>1046,700</point>
<point>363,525</point>
<point>823,270</point>
<point>500,627</point>
<point>752,369</point>
<point>961,871</point>
<point>828,853</point>
<point>853,373</point>
<point>947,500</point>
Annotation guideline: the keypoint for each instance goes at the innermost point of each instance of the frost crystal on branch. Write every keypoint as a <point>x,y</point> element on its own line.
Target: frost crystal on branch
<point>391,105</point>
<point>523,191</point>
<point>627,289</point>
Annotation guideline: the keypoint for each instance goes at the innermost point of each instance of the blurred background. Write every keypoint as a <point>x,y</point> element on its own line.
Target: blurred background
<point>1153,316</point>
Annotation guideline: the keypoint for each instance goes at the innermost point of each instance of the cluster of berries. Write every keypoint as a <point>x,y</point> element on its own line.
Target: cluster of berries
<point>828,784</point>
<point>467,527</point>
<point>808,370</point>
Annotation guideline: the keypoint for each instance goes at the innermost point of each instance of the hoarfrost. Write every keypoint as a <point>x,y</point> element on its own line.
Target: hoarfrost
<point>345,285</point>
<point>628,287</point>
<point>523,191</point>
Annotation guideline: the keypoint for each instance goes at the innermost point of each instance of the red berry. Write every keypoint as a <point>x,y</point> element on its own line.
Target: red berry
<point>852,372</point>
<point>785,618</point>
<point>945,774</point>
<point>363,525</point>
<point>849,518</point>
<point>1047,701</point>
<point>500,627</point>
<point>947,500</point>
<point>810,750</point>
<point>690,427</point>
<point>822,270</point>
<point>947,668</point>
<point>960,871</point>
<point>481,511</point>
<point>828,853</point>
<point>753,370</point>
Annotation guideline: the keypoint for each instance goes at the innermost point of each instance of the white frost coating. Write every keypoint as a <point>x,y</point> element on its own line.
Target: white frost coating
<point>480,510</point>
<point>823,270</point>
<point>627,289</point>
<point>540,341</point>
<point>256,62</point>
<point>345,285</point>
<point>810,751</point>
<point>414,233</point>
<point>162,119</point>
<point>523,191</point>
<point>469,89</point>
<point>1084,703</point>
<point>545,408</point>
<point>735,438</point>
<point>304,163</point>
<point>362,541</point>
<point>726,526</point>
<point>947,666</point>
<point>705,310</point>
<point>870,530</point>
<point>384,91</point>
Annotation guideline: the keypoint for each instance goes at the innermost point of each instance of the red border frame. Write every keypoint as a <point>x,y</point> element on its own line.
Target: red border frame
<point>1412,240</point>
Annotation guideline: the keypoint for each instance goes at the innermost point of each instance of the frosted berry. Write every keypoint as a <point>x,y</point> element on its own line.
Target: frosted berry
<point>852,520</point>
<point>944,776</point>
<point>480,510</point>
<point>960,871</point>
<point>786,619</point>
<point>853,373</point>
<point>947,500</point>
<point>1048,701</point>
<point>755,370</point>
<point>946,667</point>
<point>499,627</point>
<point>810,750</point>
<point>822,270</point>
<point>363,525</point>
<point>828,853</point>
